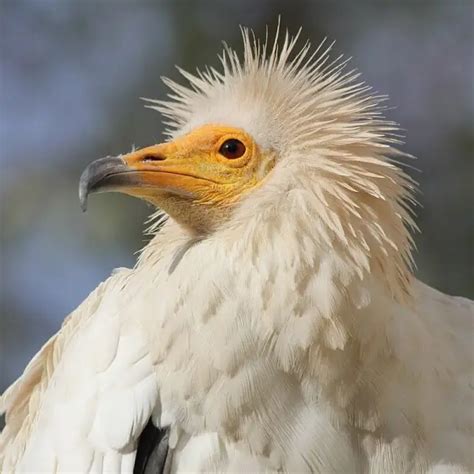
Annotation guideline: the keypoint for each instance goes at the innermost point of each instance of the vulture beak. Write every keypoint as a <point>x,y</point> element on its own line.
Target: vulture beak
<point>145,173</point>
<point>102,175</point>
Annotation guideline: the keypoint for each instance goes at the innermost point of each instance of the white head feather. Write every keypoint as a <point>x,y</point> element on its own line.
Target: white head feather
<point>335,179</point>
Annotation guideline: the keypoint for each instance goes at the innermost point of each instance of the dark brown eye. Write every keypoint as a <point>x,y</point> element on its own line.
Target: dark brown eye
<point>232,149</point>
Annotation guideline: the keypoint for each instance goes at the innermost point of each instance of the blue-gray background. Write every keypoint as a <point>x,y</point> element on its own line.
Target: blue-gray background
<point>72,73</point>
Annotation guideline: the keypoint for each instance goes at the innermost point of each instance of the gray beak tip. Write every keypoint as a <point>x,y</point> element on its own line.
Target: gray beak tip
<point>83,192</point>
<point>98,176</point>
<point>84,205</point>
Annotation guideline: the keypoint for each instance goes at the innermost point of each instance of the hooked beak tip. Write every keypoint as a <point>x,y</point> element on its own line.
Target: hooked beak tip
<point>83,193</point>
<point>96,176</point>
<point>83,202</point>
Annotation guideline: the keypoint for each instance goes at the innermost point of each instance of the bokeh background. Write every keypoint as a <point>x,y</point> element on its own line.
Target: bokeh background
<point>72,72</point>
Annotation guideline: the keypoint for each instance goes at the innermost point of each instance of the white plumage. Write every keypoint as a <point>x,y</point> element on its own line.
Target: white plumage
<point>291,337</point>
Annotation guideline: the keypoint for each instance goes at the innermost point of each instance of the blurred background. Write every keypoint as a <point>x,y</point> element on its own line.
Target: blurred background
<point>71,75</point>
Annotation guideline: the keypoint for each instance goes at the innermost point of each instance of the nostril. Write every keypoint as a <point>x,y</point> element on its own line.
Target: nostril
<point>149,158</point>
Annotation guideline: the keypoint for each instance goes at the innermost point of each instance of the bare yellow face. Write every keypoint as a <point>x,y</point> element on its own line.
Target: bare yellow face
<point>196,178</point>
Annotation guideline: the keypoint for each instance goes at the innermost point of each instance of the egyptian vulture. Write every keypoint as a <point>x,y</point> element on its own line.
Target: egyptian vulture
<point>273,322</point>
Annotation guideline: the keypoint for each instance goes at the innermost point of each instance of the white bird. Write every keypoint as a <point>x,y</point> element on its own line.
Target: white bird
<point>273,322</point>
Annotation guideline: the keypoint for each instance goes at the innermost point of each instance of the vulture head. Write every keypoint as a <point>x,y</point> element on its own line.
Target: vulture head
<point>284,138</point>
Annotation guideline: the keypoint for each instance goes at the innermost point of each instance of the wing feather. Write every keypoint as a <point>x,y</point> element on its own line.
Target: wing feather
<point>83,409</point>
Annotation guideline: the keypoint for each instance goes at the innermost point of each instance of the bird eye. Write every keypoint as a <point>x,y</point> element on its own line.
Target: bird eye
<point>232,149</point>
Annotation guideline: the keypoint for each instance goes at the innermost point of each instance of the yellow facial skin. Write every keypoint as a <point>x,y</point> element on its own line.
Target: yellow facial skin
<point>190,178</point>
<point>192,166</point>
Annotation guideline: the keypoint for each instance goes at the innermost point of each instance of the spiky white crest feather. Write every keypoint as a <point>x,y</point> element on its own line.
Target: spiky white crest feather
<point>335,150</point>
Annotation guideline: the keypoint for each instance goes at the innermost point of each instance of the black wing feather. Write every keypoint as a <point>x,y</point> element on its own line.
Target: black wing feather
<point>153,455</point>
